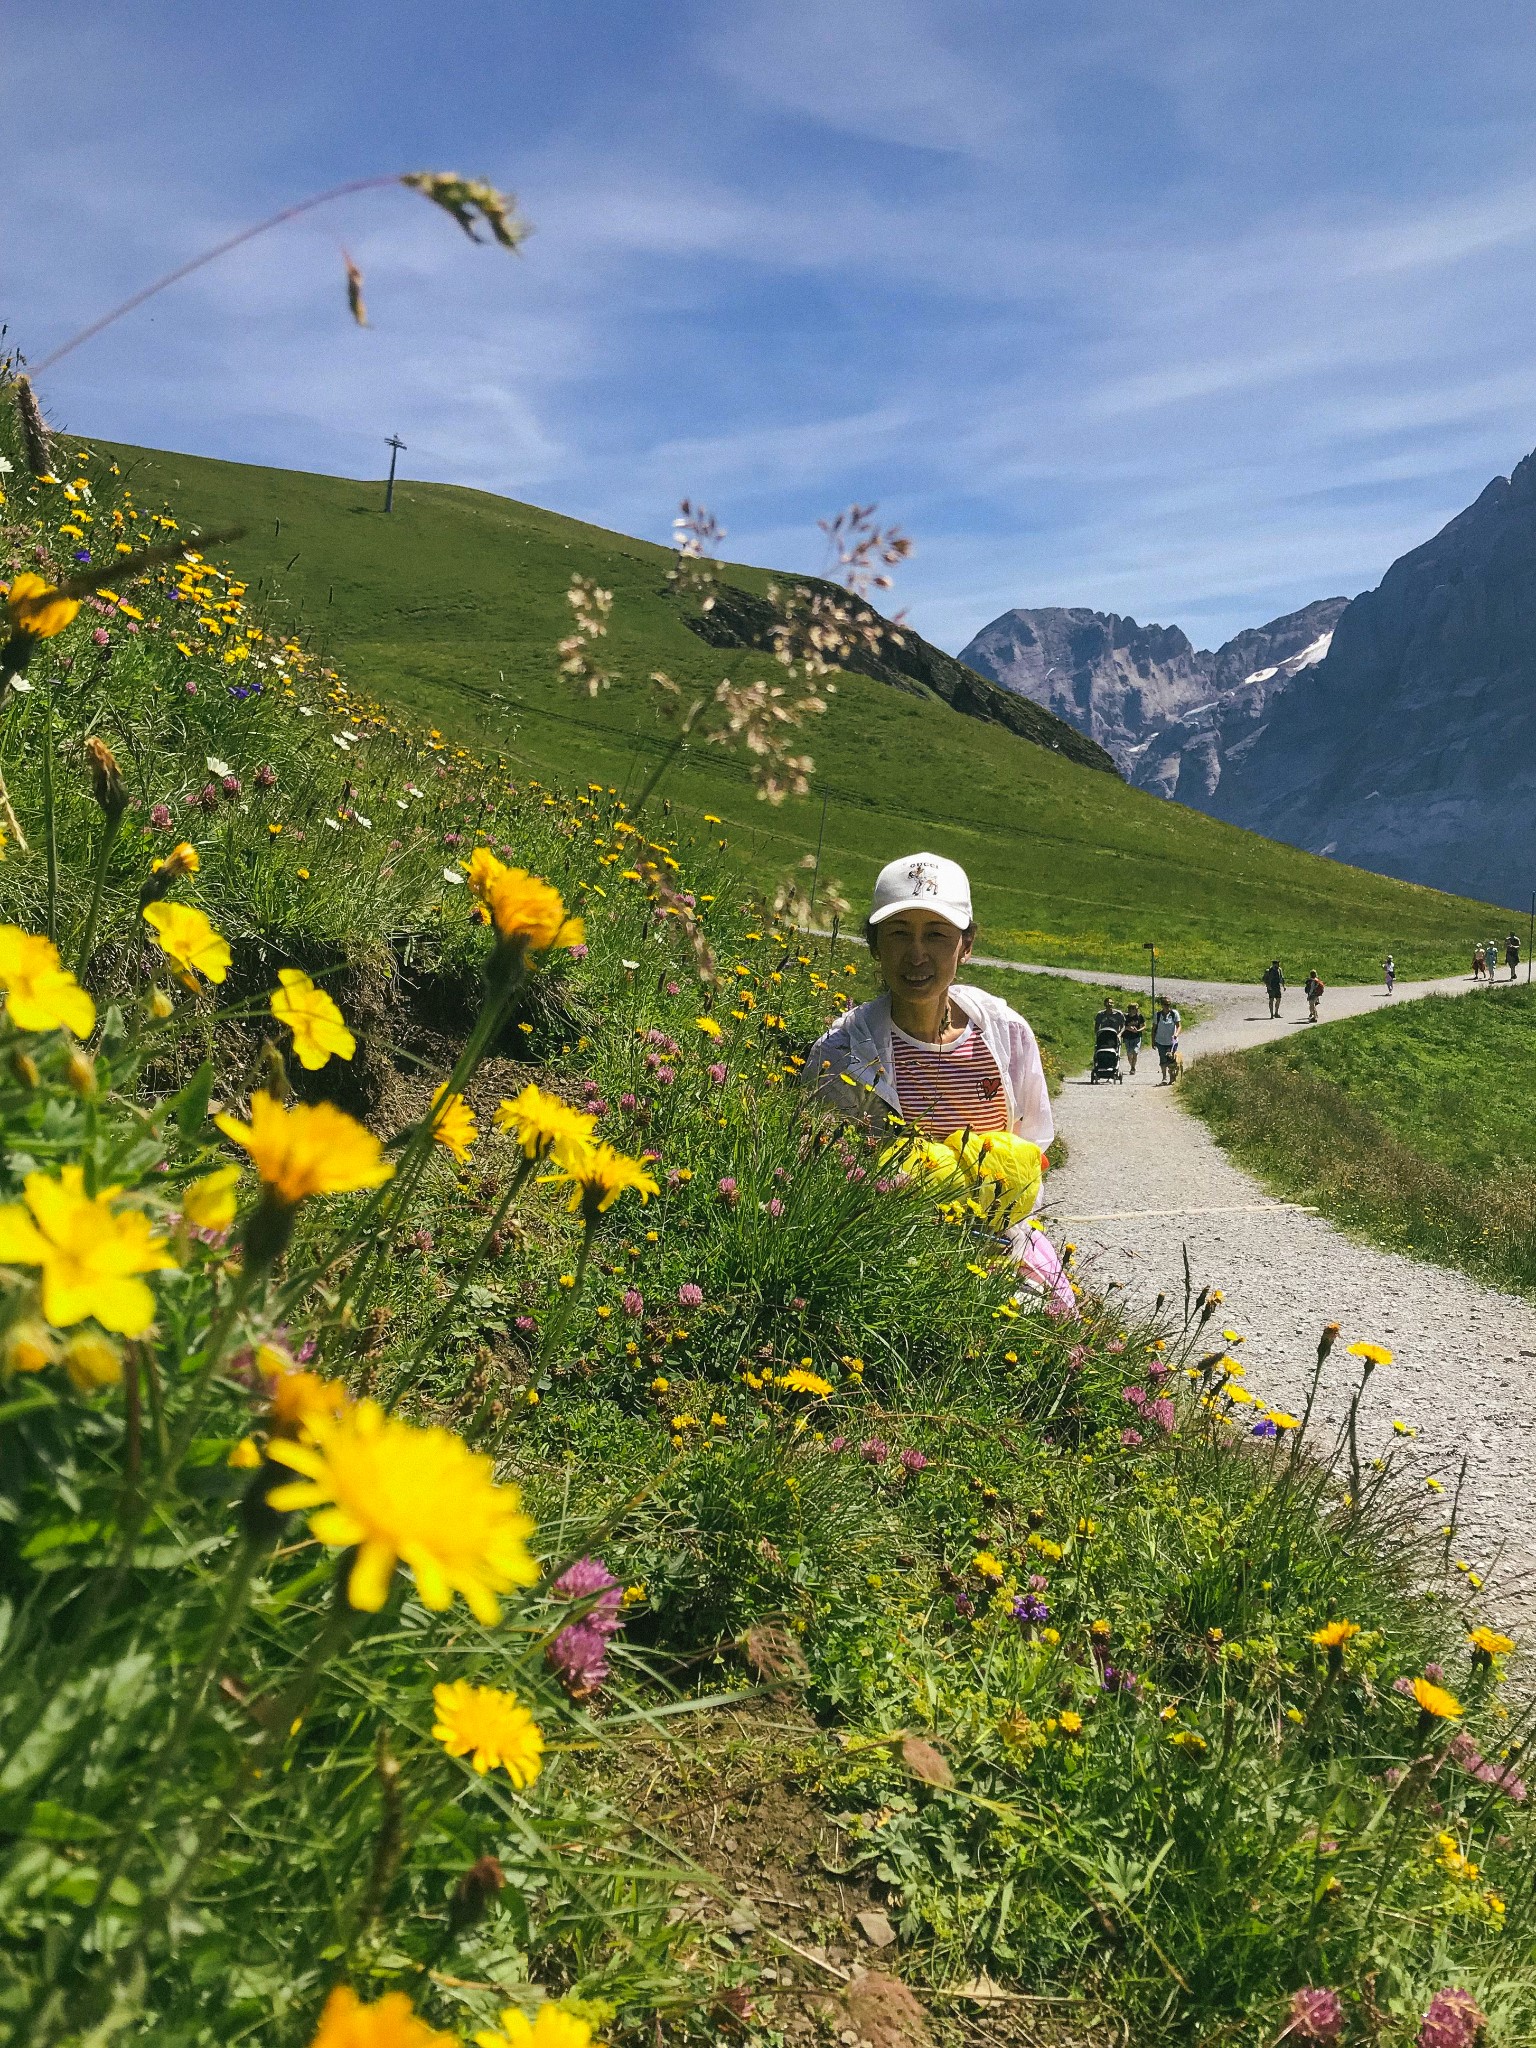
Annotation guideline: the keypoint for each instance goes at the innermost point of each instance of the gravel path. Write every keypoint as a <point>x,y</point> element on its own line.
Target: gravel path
<point>1144,1179</point>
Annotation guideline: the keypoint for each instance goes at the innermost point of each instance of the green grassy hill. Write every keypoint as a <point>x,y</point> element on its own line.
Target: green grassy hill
<point>1413,1125</point>
<point>450,608</point>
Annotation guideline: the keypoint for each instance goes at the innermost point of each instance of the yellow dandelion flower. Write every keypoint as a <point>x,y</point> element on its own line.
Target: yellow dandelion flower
<point>1335,1634</point>
<point>36,608</point>
<point>799,1381</point>
<point>708,1026</point>
<point>181,860</point>
<point>396,1494</point>
<point>526,911</point>
<point>1487,1642</point>
<point>311,1149</point>
<point>453,1124</point>
<point>390,2023</point>
<point>1069,1723</point>
<point>1282,1420</point>
<point>598,1176</point>
<point>296,1396</point>
<point>544,1126</point>
<point>90,1253</point>
<point>990,1567</point>
<point>551,2027</point>
<point>40,993</point>
<point>1435,1701</point>
<point>209,1203</point>
<point>319,1029</point>
<point>1374,1354</point>
<point>184,935</point>
<point>493,1729</point>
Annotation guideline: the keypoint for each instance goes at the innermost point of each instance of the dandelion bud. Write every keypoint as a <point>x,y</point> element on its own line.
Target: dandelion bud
<point>24,1068</point>
<point>274,1075</point>
<point>1326,1342</point>
<point>475,1894</point>
<point>80,1072</point>
<point>106,779</point>
<point>181,860</point>
<point>28,1346</point>
<point>92,1361</point>
<point>160,1005</point>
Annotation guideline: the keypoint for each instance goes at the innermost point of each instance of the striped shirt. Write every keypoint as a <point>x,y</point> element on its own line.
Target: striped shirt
<point>946,1088</point>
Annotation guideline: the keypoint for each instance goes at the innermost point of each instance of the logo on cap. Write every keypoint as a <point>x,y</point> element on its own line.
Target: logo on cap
<point>923,881</point>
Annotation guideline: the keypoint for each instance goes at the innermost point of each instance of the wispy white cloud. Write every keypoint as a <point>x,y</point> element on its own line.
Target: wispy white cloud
<point>1190,308</point>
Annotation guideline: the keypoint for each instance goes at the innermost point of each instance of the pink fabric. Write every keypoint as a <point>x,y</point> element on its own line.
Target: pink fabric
<point>1039,1261</point>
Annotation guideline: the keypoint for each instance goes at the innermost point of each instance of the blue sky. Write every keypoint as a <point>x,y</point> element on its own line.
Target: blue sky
<point>1193,311</point>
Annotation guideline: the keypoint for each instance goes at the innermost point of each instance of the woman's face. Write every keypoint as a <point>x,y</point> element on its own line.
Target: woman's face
<point>919,954</point>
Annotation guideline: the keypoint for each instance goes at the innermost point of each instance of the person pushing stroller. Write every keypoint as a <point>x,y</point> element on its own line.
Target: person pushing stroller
<point>1107,1027</point>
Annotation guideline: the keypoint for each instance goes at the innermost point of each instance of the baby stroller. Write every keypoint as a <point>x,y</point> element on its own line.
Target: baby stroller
<point>1106,1055</point>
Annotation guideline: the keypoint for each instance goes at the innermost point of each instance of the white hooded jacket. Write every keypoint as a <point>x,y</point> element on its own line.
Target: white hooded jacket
<point>854,1058</point>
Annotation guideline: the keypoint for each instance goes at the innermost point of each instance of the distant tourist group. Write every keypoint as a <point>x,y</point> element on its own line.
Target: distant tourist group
<point>1116,1031</point>
<point>1485,959</point>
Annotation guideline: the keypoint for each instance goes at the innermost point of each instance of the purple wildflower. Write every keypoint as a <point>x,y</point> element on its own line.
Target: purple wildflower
<point>1317,2014</point>
<point>1454,2020</point>
<point>674,988</point>
<point>526,1324</point>
<point>775,1208</point>
<point>207,799</point>
<point>965,1606</point>
<point>590,1579</point>
<point>1135,1395</point>
<point>190,687</point>
<point>266,777</point>
<point>578,1656</point>
<point>1113,1679</point>
<point>1160,1411</point>
<point>577,952</point>
<point>718,1072</point>
<point>1077,1357</point>
<point>160,817</point>
<point>913,1462</point>
<point>100,636</point>
<point>423,1239</point>
<point>1265,1428</point>
<point>728,1190</point>
<point>1037,1584</point>
<point>1030,1611</point>
<point>1435,1673</point>
<point>634,1302</point>
<point>665,1076</point>
<point>627,1102</point>
<point>838,1443</point>
<point>874,1450</point>
<point>690,1295</point>
<point>231,787</point>
<point>1131,1438</point>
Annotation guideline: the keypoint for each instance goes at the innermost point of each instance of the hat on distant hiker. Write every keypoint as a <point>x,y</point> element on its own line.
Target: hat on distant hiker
<point>923,881</point>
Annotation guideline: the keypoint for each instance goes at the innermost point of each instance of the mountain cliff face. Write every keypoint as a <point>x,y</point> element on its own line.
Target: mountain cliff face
<point>1170,715</point>
<point>1410,748</point>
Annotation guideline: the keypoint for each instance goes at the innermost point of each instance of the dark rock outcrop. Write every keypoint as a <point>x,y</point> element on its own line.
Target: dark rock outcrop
<point>740,618</point>
<point>1410,748</point>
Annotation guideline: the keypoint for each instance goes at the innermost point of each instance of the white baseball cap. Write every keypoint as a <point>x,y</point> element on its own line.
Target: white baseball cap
<point>923,881</point>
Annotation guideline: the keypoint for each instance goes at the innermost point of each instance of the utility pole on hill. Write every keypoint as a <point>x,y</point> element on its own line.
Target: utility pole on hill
<point>394,444</point>
<point>1148,947</point>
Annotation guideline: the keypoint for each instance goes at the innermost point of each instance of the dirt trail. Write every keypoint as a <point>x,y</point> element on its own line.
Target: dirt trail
<point>1144,1179</point>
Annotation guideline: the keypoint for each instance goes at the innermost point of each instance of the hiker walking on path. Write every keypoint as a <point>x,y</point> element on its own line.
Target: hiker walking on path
<point>1274,983</point>
<point>1512,953</point>
<point>1132,1031</point>
<point>1389,970</point>
<point>1479,962</point>
<point>933,1051</point>
<point>1165,1036</point>
<point>1312,988</point>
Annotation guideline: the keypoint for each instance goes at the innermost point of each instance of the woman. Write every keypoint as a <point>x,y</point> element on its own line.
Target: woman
<point>1389,972</point>
<point>1313,991</point>
<point>1132,1031</point>
<point>934,1051</point>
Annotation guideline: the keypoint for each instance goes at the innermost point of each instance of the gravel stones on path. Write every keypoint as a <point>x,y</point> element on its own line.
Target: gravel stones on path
<point>1144,1179</point>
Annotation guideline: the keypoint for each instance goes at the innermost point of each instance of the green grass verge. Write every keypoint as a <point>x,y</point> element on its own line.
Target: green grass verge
<point>449,609</point>
<point>1414,1125</point>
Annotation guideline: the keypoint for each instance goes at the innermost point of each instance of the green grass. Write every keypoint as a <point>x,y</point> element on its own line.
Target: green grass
<point>449,609</point>
<point>222,1793</point>
<point>1414,1125</point>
